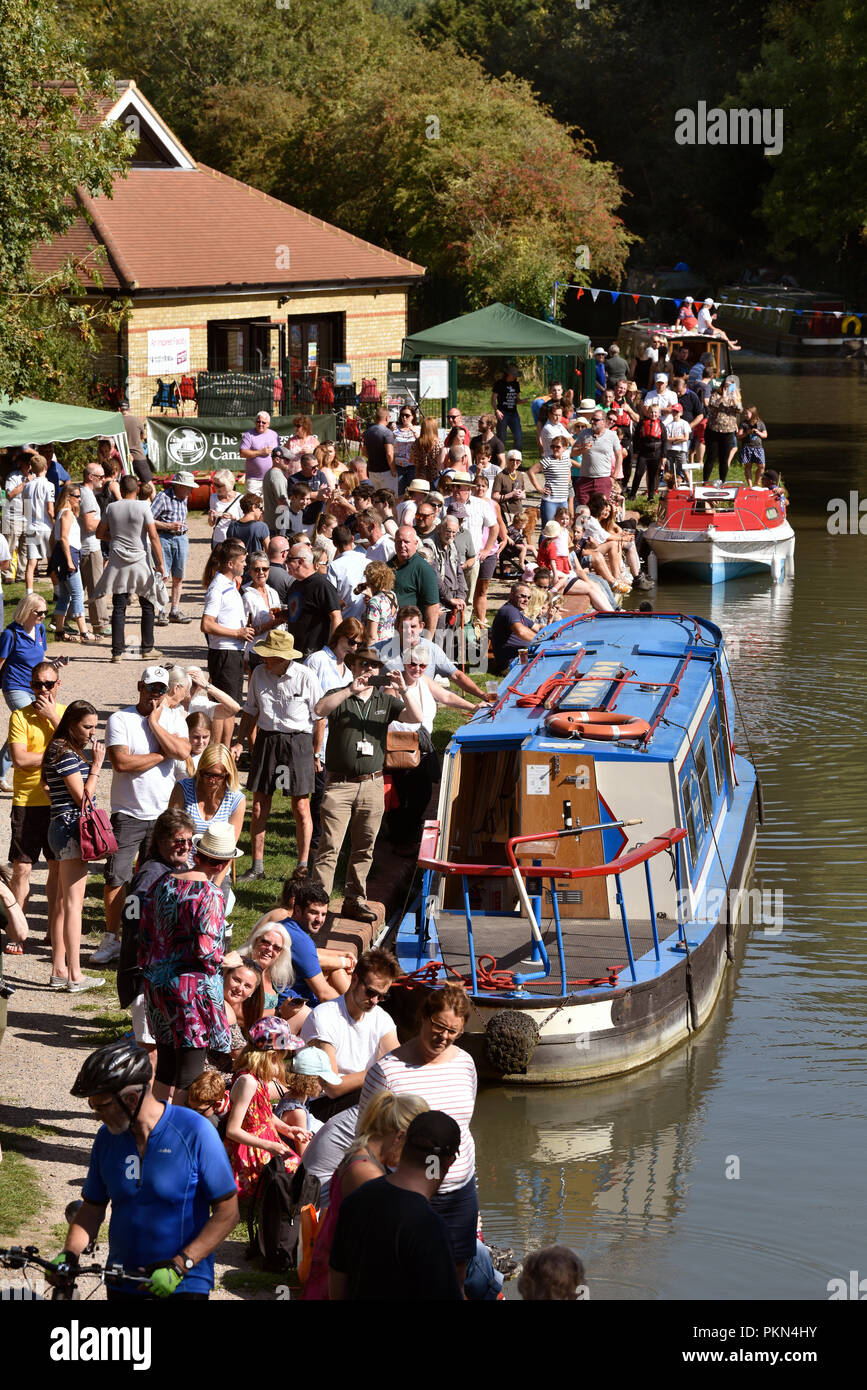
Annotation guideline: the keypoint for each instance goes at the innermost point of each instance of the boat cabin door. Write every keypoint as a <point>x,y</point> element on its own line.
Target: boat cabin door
<point>557,790</point>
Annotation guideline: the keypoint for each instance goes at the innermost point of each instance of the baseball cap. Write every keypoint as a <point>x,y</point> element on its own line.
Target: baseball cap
<point>434,1133</point>
<point>155,675</point>
<point>281,453</point>
<point>312,1061</point>
<point>660,376</point>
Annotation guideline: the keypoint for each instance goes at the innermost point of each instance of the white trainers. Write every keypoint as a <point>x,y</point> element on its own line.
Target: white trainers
<point>107,950</point>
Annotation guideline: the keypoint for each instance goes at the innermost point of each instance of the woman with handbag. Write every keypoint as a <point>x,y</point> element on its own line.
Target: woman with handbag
<point>64,562</point>
<point>70,782</point>
<point>414,783</point>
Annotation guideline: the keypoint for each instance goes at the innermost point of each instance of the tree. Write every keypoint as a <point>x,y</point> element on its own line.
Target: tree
<point>411,146</point>
<point>812,67</point>
<point>50,144</point>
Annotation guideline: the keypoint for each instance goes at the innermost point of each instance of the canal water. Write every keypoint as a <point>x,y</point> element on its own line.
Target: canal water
<point>735,1167</point>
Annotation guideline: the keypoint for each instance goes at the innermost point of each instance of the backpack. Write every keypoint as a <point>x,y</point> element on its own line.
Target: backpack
<point>275,1218</point>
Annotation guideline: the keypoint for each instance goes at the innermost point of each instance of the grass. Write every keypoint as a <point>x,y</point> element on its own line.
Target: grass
<point>110,1026</point>
<point>22,1196</point>
<point>13,594</point>
<point>254,1280</point>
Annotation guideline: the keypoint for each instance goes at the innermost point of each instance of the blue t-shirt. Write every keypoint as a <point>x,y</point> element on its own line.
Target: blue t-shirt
<point>304,959</point>
<point>20,652</point>
<point>161,1202</point>
<point>57,475</point>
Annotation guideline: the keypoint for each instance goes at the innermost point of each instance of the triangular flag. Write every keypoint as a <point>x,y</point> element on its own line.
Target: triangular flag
<point>838,313</point>
<point>615,295</point>
<point>655,298</point>
<point>635,298</point>
<point>677,303</point>
<point>579,294</point>
<point>594,295</point>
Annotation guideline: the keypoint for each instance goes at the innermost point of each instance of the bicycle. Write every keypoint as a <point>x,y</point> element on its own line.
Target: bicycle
<point>112,1275</point>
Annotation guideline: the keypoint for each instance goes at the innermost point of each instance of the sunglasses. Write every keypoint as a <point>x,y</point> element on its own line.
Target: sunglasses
<point>221,775</point>
<point>373,993</point>
<point>182,843</point>
<point>157,689</point>
<point>43,685</point>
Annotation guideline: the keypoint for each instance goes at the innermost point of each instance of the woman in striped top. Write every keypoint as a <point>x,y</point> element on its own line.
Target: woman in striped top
<point>68,777</point>
<point>213,795</point>
<point>432,1066</point>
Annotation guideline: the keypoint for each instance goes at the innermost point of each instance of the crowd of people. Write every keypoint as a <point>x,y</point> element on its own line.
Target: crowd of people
<point>341,603</point>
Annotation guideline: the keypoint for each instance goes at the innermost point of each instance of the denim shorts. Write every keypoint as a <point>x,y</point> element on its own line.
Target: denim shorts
<point>175,550</point>
<point>63,836</point>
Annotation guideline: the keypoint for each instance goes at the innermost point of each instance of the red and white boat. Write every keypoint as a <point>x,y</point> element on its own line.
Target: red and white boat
<point>719,533</point>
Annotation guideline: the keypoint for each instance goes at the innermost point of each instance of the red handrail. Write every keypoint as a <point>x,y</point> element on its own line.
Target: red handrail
<point>614,866</point>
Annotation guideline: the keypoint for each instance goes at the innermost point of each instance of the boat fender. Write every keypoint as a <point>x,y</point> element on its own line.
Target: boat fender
<point>596,723</point>
<point>511,1038</point>
<point>760,802</point>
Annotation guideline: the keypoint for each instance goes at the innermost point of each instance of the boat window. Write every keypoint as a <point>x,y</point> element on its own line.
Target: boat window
<point>700,755</point>
<point>689,819</point>
<point>771,511</point>
<point>716,750</point>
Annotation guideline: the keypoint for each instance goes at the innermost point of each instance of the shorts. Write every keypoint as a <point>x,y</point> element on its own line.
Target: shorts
<point>175,550</point>
<point>488,566</point>
<point>460,1211</point>
<point>226,669</point>
<point>29,834</point>
<point>254,485</point>
<point>282,762</point>
<point>140,1024</point>
<point>131,834</point>
<point>179,1066</point>
<point>36,546</point>
<point>379,480</point>
<point>63,835</point>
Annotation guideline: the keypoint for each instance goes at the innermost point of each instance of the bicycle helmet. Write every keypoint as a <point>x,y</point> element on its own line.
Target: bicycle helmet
<point>274,1035</point>
<point>112,1068</point>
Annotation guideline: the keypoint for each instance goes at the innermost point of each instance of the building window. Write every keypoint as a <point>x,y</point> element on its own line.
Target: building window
<point>313,344</point>
<point>239,345</point>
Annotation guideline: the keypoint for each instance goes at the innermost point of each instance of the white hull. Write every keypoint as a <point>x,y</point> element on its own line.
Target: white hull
<point>714,556</point>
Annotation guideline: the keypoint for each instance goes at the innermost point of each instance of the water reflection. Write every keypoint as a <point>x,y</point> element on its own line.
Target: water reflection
<point>632,1173</point>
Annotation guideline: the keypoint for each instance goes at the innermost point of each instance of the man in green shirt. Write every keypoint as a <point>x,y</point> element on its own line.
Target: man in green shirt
<point>358,718</point>
<point>415,579</point>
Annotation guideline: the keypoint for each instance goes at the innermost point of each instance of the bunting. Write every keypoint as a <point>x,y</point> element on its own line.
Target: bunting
<point>848,318</point>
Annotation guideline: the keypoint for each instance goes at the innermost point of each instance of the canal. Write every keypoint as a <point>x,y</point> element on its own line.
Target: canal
<point>734,1168</point>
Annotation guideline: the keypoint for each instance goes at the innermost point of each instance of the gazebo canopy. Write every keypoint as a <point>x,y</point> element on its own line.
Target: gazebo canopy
<point>29,421</point>
<point>496,331</point>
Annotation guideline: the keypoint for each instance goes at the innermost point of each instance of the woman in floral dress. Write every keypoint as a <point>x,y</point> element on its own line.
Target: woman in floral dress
<point>180,955</point>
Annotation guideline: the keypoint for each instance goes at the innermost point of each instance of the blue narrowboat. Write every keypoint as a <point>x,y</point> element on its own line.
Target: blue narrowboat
<point>594,837</point>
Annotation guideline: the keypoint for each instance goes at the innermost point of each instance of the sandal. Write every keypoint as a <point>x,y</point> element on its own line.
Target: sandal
<point>87,637</point>
<point>13,948</point>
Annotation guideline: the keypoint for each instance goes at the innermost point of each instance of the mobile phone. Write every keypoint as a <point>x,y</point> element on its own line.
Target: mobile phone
<point>380,681</point>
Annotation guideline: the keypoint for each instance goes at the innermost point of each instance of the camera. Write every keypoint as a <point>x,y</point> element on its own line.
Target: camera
<point>379,681</point>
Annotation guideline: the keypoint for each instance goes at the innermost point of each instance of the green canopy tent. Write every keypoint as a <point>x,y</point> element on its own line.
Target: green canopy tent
<point>28,421</point>
<point>496,331</point>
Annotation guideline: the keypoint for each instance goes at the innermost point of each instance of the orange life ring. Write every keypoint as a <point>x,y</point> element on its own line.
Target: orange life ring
<point>596,723</point>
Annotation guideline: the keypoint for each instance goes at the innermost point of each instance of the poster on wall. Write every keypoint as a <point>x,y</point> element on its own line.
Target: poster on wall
<point>433,377</point>
<point>168,350</point>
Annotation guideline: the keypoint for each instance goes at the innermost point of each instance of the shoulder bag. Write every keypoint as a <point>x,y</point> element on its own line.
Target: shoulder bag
<point>401,749</point>
<point>95,833</point>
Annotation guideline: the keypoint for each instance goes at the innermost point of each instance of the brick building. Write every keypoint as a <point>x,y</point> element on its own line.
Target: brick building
<point>223,277</point>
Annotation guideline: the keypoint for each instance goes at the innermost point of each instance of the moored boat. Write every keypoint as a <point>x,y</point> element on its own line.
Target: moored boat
<point>717,533</point>
<point>594,835</point>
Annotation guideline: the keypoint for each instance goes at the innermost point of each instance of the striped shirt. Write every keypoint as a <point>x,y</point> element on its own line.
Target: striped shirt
<point>558,474</point>
<point>61,762</point>
<point>448,1086</point>
<point>227,807</point>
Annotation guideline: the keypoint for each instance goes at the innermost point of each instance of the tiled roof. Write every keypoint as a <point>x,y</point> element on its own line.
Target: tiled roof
<point>187,229</point>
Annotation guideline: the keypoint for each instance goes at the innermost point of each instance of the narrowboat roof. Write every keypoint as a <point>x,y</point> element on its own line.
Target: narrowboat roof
<point>652,667</point>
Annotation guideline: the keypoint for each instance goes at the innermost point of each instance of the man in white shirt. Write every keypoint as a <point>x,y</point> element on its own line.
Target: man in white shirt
<point>354,1031</point>
<point>346,571</point>
<point>481,521</point>
<point>706,325</point>
<point>380,545</point>
<point>280,704</point>
<point>142,742</point>
<point>38,506</point>
<point>661,396</point>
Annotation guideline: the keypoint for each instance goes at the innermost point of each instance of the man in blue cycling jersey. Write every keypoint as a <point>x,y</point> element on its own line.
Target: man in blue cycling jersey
<point>164,1171</point>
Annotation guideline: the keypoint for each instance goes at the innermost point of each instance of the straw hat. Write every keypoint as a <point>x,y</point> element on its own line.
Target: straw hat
<point>218,842</point>
<point>551,530</point>
<point>279,644</point>
<point>462,478</point>
<point>587,404</point>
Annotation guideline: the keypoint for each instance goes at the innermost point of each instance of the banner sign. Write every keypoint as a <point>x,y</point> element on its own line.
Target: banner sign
<point>168,350</point>
<point>205,443</point>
